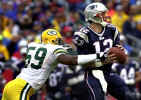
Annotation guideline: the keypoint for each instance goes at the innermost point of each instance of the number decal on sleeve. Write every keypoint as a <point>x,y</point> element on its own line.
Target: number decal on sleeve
<point>39,57</point>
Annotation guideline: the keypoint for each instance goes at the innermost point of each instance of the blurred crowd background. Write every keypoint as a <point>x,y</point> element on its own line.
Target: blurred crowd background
<point>22,21</point>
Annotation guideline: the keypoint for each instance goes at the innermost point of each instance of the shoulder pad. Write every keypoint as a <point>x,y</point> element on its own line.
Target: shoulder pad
<point>59,50</point>
<point>82,35</point>
<point>31,44</point>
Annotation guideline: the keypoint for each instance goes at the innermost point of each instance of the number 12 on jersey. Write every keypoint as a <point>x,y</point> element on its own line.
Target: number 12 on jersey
<point>107,42</point>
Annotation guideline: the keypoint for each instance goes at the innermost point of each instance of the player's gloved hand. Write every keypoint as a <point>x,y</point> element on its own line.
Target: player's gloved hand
<point>111,58</point>
<point>102,59</point>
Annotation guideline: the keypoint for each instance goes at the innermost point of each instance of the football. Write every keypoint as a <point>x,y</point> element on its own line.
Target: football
<point>121,56</point>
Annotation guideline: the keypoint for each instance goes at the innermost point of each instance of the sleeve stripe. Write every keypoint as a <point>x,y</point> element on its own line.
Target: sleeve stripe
<point>59,50</point>
<point>116,33</point>
<point>64,52</point>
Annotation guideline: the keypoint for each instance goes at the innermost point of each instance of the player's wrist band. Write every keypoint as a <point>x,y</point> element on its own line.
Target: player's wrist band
<point>83,59</point>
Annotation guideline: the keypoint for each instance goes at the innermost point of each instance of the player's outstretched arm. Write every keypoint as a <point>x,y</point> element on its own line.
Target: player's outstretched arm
<point>67,59</point>
<point>77,60</point>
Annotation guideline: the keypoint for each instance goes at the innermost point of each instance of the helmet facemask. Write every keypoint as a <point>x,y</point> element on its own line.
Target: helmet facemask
<point>58,41</point>
<point>99,18</point>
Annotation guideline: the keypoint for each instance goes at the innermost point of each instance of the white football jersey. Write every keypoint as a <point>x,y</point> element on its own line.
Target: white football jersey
<point>40,61</point>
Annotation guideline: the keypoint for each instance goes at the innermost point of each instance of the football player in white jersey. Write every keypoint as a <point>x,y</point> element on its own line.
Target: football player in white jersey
<point>41,59</point>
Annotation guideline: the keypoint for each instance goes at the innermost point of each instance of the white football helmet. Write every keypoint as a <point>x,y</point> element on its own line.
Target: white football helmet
<point>94,11</point>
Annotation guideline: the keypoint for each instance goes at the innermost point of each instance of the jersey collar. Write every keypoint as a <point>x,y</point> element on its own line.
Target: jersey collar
<point>99,34</point>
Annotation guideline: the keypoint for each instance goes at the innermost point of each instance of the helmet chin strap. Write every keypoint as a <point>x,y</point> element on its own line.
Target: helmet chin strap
<point>103,23</point>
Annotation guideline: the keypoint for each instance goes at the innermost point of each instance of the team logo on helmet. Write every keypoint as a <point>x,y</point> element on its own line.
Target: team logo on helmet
<point>52,32</point>
<point>51,36</point>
